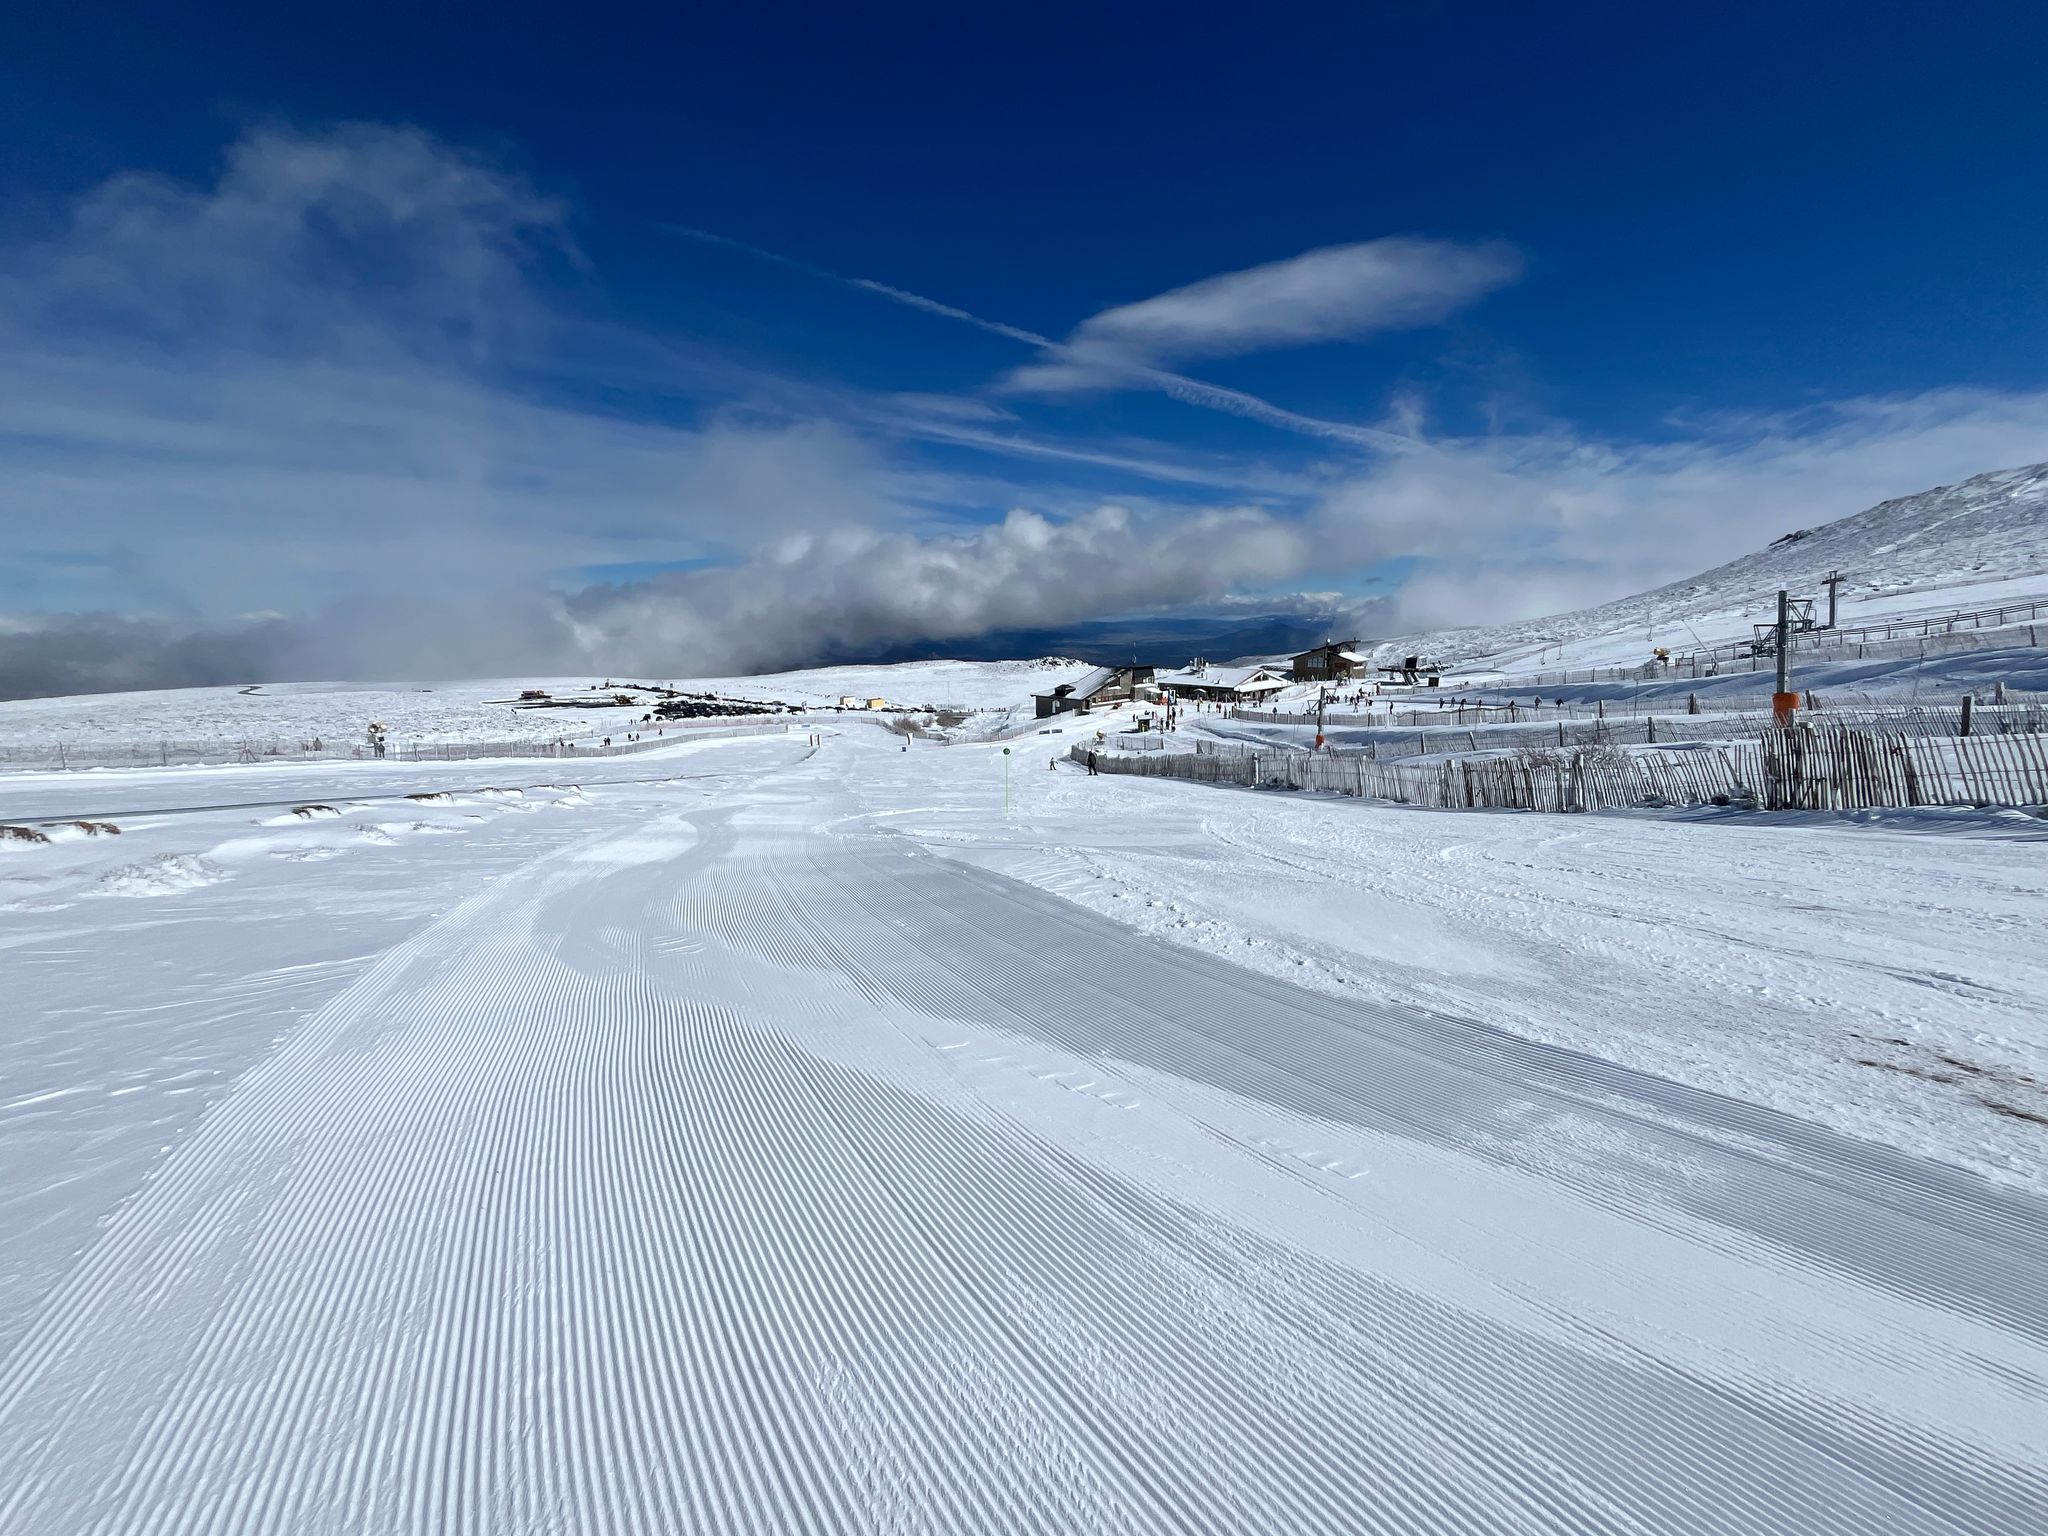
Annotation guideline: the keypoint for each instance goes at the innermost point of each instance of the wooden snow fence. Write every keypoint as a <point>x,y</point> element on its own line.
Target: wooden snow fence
<point>1410,733</point>
<point>1851,770</point>
<point>1804,767</point>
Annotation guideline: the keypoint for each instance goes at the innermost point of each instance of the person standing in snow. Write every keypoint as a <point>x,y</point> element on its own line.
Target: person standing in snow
<point>1091,765</point>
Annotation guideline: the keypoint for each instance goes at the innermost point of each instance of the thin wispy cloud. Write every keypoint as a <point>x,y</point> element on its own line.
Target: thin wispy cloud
<point>950,312</point>
<point>1211,474</point>
<point>1337,293</point>
<point>1340,292</point>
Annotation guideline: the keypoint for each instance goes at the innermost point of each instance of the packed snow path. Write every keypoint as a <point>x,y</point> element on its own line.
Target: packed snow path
<point>742,1166</point>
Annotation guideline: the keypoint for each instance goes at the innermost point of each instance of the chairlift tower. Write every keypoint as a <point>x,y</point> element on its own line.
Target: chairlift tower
<point>1832,581</point>
<point>1795,617</point>
<point>1784,700</point>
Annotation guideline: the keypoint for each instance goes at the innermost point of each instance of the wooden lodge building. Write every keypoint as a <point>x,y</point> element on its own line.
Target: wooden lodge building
<point>1337,661</point>
<point>1222,685</point>
<point>1104,685</point>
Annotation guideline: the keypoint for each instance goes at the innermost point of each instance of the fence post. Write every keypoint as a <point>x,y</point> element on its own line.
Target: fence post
<point>1968,701</point>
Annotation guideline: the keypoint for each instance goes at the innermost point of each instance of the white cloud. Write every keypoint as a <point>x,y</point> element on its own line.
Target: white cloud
<point>1340,292</point>
<point>366,240</point>
<point>856,590</point>
<point>313,376</point>
<point>843,590</point>
<point>310,379</point>
<point>1501,528</point>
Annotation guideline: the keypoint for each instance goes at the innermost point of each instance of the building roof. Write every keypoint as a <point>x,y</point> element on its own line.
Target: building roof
<point>1097,680</point>
<point>1334,647</point>
<point>1086,686</point>
<point>1240,678</point>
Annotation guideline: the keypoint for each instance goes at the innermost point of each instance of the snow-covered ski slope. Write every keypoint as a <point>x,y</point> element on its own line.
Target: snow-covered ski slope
<point>1958,547</point>
<point>706,1153</point>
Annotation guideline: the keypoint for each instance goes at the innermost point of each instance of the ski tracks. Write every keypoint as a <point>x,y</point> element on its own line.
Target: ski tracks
<point>640,1194</point>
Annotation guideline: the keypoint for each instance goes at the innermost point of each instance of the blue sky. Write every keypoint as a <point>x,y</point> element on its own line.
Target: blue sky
<point>734,311</point>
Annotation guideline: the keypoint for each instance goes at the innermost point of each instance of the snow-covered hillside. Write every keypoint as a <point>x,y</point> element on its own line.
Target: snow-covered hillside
<point>1969,545</point>
<point>970,685</point>
<point>480,710</point>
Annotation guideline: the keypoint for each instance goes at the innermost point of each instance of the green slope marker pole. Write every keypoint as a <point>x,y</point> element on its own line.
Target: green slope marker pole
<point>1006,781</point>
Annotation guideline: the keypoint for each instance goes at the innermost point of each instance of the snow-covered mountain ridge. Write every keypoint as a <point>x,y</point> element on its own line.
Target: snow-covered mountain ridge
<point>1979,542</point>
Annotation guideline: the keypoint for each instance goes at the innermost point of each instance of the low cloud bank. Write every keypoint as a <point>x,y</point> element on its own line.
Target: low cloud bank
<point>409,635</point>
<point>851,591</point>
<point>856,589</point>
<point>106,653</point>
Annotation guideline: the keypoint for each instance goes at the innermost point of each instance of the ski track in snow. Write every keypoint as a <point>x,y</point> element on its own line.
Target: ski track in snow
<point>742,1167</point>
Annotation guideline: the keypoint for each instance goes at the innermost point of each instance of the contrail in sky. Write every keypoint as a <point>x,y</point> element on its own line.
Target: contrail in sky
<point>1178,386</point>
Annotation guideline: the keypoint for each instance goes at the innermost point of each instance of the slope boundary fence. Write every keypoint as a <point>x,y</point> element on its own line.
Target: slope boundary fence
<point>1387,742</point>
<point>32,756</point>
<point>2014,626</point>
<point>2022,713</point>
<point>1806,767</point>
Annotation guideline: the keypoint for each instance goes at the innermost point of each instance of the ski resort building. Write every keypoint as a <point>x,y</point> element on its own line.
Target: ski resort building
<point>1105,685</point>
<point>1226,685</point>
<point>1326,663</point>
